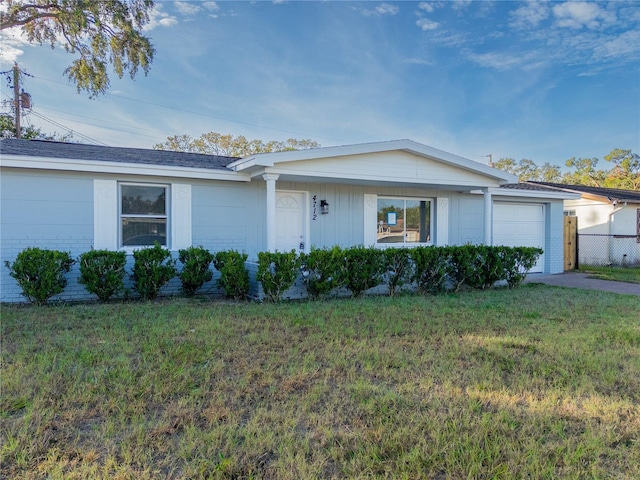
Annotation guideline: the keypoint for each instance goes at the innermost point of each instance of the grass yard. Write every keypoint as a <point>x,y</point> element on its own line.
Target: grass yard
<point>538,382</point>
<point>618,274</point>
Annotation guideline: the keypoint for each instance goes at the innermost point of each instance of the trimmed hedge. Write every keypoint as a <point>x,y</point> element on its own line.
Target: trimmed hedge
<point>399,267</point>
<point>153,267</point>
<point>40,273</point>
<point>322,271</point>
<point>234,276</point>
<point>363,269</point>
<point>430,269</point>
<point>102,272</point>
<point>195,272</point>
<point>276,272</point>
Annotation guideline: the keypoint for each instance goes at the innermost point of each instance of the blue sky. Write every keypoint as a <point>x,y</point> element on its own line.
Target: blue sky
<point>540,80</point>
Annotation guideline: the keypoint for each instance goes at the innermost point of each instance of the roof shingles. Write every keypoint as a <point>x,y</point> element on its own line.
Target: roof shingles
<point>77,151</point>
<point>610,193</point>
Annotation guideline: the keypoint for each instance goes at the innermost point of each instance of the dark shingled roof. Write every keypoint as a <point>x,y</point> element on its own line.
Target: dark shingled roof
<point>78,151</point>
<point>609,193</point>
<point>528,187</point>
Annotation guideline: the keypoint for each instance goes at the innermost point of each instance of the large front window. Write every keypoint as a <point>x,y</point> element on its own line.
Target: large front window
<point>143,215</point>
<point>403,221</point>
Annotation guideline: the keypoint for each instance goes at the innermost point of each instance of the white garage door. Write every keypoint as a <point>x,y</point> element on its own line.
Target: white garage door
<point>519,225</point>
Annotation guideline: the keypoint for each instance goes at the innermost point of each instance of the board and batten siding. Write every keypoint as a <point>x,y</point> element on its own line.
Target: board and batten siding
<point>352,217</point>
<point>396,166</point>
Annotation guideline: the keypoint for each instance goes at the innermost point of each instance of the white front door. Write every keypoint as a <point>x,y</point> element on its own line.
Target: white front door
<point>291,221</point>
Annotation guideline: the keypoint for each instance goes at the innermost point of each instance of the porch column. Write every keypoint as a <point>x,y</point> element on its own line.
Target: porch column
<point>488,217</point>
<point>271,178</point>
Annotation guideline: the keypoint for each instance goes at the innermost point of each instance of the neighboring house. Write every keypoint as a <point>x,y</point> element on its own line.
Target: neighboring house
<point>76,197</point>
<point>608,223</point>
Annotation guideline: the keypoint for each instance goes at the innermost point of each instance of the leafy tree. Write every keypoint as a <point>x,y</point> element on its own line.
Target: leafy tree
<point>8,130</point>
<point>626,172</point>
<point>213,143</point>
<point>585,172</point>
<point>527,170</point>
<point>99,32</point>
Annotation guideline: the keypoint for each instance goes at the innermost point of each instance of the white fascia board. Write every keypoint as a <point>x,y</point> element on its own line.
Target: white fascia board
<point>365,177</point>
<point>119,168</point>
<point>270,159</point>
<point>509,192</point>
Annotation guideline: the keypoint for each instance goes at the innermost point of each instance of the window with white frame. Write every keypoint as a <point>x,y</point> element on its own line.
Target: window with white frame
<point>143,214</point>
<point>403,221</point>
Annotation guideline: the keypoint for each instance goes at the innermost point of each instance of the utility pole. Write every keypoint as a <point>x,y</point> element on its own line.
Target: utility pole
<point>16,97</point>
<point>490,159</point>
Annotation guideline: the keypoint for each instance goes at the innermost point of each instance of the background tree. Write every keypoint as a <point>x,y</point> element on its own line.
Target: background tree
<point>8,130</point>
<point>213,143</point>
<point>527,170</point>
<point>99,32</point>
<point>585,172</point>
<point>626,171</point>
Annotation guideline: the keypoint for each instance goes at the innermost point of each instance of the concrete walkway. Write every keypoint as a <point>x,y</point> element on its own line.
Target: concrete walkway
<point>582,280</point>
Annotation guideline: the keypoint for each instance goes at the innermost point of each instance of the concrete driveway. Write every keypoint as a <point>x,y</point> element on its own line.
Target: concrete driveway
<point>582,280</point>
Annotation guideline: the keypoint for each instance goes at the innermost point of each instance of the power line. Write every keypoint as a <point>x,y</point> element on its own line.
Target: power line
<point>48,119</point>
<point>105,127</point>
<point>57,124</point>
<point>195,112</point>
<point>100,120</point>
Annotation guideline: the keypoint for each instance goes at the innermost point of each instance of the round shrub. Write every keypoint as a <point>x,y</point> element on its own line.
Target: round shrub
<point>102,272</point>
<point>41,272</point>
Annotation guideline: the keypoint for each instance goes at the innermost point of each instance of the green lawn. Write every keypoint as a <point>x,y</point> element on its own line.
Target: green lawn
<point>618,274</point>
<point>537,382</point>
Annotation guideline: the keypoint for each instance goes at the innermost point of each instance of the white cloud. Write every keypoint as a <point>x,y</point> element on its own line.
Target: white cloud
<point>382,9</point>
<point>213,6</point>
<point>187,8</point>
<point>426,24</point>
<point>451,38</point>
<point>581,14</point>
<point>429,7</point>
<point>11,43</point>
<point>418,61</point>
<point>529,15</point>
<point>8,53</point>
<point>626,45</point>
<point>426,6</point>
<point>460,4</point>
<point>499,61</point>
<point>159,18</point>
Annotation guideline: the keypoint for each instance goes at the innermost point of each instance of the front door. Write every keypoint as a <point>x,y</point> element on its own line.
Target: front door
<point>291,221</point>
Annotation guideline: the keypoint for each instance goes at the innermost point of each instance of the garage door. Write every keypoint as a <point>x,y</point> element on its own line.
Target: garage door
<point>519,225</point>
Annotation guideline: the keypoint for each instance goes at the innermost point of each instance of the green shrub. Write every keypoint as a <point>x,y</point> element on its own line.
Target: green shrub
<point>277,271</point>
<point>322,270</point>
<point>102,272</point>
<point>462,264</point>
<point>398,267</point>
<point>363,269</point>
<point>432,268</point>
<point>486,267</point>
<point>40,273</point>
<point>234,277</point>
<point>152,269</point>
<point>517,263</point>
<point>196,271</point>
